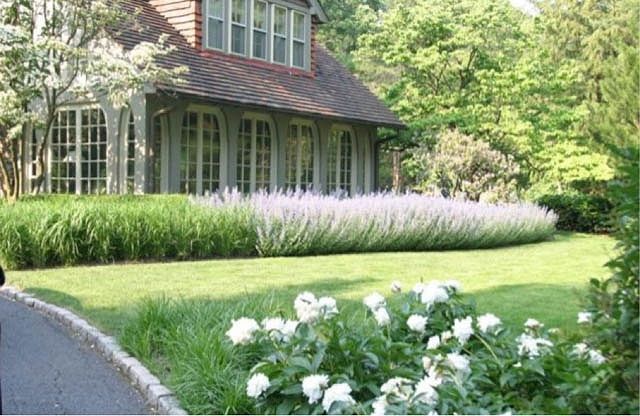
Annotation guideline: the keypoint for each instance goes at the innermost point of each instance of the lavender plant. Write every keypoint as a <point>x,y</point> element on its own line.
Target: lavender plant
<point>290,224</point>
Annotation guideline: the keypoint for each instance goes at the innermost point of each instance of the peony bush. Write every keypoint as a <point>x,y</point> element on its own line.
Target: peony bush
<point>426,351</point>
<point>293,224</point>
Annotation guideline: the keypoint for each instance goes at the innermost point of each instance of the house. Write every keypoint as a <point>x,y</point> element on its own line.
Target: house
<point>263,106</point>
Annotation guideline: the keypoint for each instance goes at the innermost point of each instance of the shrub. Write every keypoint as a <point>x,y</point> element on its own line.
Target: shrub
<point>70,230</point>
<point>311,224</point>
<point>461,166</point>
<point>431,355</point>
<point>580,212</point>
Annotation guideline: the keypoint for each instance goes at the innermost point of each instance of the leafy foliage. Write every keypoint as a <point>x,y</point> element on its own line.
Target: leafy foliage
<point>53,52</point>
<point>580,212</point>
<point>431,353</point>
<point>461,167</point>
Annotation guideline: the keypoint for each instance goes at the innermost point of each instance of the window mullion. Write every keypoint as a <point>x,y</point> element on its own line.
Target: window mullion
<point>299,157</point>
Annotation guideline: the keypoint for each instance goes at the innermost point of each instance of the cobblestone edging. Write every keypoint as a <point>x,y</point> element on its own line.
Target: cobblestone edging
<point>160,398</point>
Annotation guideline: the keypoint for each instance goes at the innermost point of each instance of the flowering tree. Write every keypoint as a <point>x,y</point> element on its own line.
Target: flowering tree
<point>54,51</point>
<point>461,166</point>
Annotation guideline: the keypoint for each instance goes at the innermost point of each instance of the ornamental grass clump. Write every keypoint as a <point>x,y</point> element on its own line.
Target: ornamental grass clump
<point>293,224</point>
<point>433,354</point>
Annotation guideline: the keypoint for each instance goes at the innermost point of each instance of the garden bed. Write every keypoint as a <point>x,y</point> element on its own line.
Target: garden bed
<point>56,230</point>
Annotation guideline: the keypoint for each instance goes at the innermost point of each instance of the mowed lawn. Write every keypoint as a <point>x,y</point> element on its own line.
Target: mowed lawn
<point>545,280</point>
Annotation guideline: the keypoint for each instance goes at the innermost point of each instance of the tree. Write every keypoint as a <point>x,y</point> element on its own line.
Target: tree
<point>347,21</point>
<point>488,70</point>
<point>461,167</point>
<point>56,51</point>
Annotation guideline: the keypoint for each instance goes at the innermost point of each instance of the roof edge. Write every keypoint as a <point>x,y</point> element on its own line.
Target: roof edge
<point>318,10</point>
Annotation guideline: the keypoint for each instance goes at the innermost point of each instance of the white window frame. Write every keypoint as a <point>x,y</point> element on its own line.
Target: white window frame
<point>245,26</point>
<point>124,150</point>
<point>284,36</point>
<point>254,118</point>
<point>295,40</point>
<point>354,158</point>
<point>314,153</point>
<point>200,110</point>
<point>219,19</point>
<point>254,29</point>
<point>78,109</point>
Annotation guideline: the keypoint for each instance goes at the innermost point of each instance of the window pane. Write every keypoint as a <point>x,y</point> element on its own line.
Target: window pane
<point>279,49</point>
<point>259,45</point>
<point>280,21</point>
<point>298,54</point>
<point>214,39</point>
<point>238,39</point>
<point>215,8</point>
<point>260,15</point>
<point>298,26</point>
<point>239,11</point>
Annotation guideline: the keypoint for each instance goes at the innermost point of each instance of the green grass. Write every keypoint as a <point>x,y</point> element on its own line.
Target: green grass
<point>173,315</point>
<point>544,280</point>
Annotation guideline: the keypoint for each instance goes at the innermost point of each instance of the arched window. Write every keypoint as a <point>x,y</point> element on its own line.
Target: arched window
<point>79,151</point>
<point>254,154</point>
<point>200,152</point>
<point>299,156</point>
<point>341,160</point>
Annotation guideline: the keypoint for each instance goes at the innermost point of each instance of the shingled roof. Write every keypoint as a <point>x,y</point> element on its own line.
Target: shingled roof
<point>331,91</point>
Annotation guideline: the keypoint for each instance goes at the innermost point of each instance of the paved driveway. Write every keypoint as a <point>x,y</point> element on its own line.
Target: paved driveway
<point>44,370</point>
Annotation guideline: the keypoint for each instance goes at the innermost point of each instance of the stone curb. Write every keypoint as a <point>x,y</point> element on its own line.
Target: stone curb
<point>157,396</point>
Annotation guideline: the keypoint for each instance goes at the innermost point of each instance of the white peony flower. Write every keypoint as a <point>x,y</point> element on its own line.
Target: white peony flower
<point>446,336</point>
<point>458,362</point>
<point>375,301</point>
<point>488,321</point>
<point>307,307</point>
<point>533,324</point>
<point>585,317</point>
<point>396,287</point>
<point>274,326</point>
<point>382,316</point>
<point>462,329</point>
<point>393,385</point>
<point>425,391</point>
<point>433,342</point>
<point>417,323</point>
<point>580,348</point>
<point>289,329</point>
<point>340,392</point>
<point>433,293</point>
<point>328,306</point>
<point>242,330</point>
<point>257,384</point>
<point>313,385</point>
<point>379,406</point>
<point>530,346</point>
<point>596,357</point>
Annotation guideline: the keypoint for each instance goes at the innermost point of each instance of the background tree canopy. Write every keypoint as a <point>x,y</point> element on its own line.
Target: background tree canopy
<point>531,85</point>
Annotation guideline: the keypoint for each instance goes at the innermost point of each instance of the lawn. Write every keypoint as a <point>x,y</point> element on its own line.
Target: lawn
<point>545,280</point>
<point>173,316</point>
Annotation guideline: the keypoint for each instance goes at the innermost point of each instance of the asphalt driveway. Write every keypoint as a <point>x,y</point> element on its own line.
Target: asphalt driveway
<point>44,370</point>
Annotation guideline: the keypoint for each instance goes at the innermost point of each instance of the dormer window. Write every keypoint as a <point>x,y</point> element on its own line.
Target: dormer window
<point>238,26</point>
<point>278,32</point>
<point>298,39</point>
<point>260,29</point>
<point>215,24</point>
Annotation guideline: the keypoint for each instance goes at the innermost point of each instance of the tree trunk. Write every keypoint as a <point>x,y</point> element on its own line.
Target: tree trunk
<point>396,161</point>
